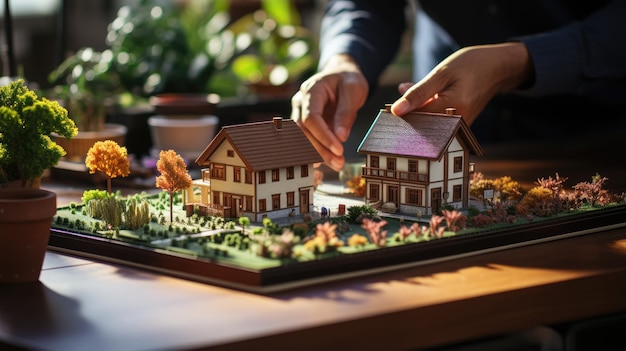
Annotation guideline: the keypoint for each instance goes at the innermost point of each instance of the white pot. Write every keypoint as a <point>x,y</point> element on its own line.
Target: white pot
<point>187,136</point>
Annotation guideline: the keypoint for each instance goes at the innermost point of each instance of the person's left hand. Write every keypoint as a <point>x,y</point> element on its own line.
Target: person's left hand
<point>467,80</point>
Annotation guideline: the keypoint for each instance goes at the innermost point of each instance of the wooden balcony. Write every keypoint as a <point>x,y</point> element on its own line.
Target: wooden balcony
<point>381,173</point>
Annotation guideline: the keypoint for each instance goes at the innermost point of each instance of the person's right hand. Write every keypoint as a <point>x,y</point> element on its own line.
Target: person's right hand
<point>326,106</point>
<point>467,80</point>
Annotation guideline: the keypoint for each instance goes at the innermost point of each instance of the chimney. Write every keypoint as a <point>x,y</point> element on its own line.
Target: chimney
<point>450,111</point>
<point>278,123</point>
<point>387,107</point>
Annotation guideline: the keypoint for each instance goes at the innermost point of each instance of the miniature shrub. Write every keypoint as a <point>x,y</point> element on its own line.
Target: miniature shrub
<point>356,213</point>
<point>137,213</point>
<point>472,211</point>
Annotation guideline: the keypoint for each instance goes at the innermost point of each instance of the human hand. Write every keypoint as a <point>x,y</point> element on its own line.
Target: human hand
<point>467,80</point>
<point>326,106</point>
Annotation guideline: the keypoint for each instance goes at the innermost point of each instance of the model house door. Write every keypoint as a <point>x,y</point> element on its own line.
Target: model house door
<point>392,195</point>
<point>435,200</point>
<point>304,201</point>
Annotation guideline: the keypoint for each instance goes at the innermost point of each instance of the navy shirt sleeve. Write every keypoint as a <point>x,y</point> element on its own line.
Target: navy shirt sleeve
<point>587,57</point>
<point>370,31</point>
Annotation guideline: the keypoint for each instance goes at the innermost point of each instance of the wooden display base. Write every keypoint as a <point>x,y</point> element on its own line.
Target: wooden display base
<point>289,276</point>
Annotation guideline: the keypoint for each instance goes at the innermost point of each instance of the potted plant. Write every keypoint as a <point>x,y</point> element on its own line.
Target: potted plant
<point>26,151</point>
<point>87,86</point>
<point>171,57</point>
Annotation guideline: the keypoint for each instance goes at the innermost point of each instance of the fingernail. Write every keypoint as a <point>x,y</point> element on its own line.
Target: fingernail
<point>336,149</point>
<point>336,164</point>
<point>342,133</point>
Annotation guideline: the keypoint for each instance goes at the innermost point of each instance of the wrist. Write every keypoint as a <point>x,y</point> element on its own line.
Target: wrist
<point>343,61</point>
<point>520,68</point>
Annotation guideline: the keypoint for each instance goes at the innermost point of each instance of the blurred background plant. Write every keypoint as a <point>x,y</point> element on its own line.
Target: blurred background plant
<point>273,48</point>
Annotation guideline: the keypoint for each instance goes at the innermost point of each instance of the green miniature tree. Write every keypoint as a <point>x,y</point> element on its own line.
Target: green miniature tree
<point>26,121</point>
<point>110,158</point>
<point>174,175</point>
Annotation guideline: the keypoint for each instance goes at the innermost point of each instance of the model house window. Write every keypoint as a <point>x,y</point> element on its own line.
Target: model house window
<point>230,153</point>
<point>237,174</point>
<point>413,196</point>
<point>290,198</point>
<point>375,162</point>
<point>262,205</point>
<point>391,166</point>
<point>289,172</point>
<point>262,177</point>
<point>275,175</point>
<point>218,172</point>
<point>248,177</point>
<point>413,170</point>
<point>216,198</point>
<point>304,171</point>
<point>457,193</point>
<point>458,164</point>
<point>276,201</point>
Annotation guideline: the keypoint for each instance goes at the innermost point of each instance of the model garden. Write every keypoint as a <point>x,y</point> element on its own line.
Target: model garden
<point>163,224</point>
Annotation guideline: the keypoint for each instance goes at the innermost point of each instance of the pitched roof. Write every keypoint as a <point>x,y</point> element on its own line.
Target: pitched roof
<point>417,134</point>
<point>262,146</point>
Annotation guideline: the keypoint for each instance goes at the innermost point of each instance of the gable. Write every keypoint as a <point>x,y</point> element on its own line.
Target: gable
<point>265,145</point>
<point>417,134</point>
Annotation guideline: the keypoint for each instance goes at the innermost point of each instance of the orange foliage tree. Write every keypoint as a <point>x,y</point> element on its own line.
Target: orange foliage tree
<point>110,158</point>
<point>174,175</point>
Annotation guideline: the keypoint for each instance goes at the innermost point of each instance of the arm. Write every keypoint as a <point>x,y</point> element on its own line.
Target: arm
<point>584,58</point>
<point>368,31</point>
<point>576,58</point>
<point>358,40</point>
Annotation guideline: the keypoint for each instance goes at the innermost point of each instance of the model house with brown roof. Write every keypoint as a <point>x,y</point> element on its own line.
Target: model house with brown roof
<point>257,170</point>
<point>418,163</point>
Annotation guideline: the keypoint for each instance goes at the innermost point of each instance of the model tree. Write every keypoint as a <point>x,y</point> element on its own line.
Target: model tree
<point>109,158</point>
<point>174,175</point>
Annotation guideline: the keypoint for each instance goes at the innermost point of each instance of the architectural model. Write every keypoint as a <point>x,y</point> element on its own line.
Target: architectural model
<point>416,162</point>
<point>257,170</point>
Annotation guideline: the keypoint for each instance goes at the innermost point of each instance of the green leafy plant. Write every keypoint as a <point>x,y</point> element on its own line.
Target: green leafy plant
<point>273,48</point>
<point>87,85</point>
<point>26,122</point>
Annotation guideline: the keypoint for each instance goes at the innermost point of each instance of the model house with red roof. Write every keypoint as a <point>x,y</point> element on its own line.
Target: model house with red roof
<point>418,163</point>
<point>257,170</point>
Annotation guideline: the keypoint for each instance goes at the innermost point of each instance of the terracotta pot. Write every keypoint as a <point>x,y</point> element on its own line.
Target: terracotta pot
<point>25,219</point>
<point>77,147</point>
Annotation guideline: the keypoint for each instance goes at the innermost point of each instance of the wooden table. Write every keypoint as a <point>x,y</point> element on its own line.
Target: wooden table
<point>82,304</point>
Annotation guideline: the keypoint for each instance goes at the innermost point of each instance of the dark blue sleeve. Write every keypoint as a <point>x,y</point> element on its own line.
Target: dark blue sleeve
<point>368,30</point>
<point>584,58</point>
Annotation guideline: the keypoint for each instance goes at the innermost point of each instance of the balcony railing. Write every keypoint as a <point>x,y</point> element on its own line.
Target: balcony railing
<point>394,174</point>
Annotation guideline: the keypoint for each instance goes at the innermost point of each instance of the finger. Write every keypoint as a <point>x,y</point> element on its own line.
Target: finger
<point>296,106</point>
<point>316,124</point>
<point>420,94</point>
<point>336,162</point>
<point>345,114</point>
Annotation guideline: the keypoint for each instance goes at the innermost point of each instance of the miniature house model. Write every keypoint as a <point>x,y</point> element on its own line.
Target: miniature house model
<point>418,163</point>
<point>257,170</point>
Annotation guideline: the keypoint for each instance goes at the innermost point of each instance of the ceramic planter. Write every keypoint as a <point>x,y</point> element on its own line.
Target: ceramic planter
<point>25,220</point>
<point>187,136</point>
